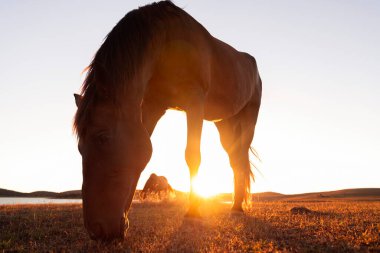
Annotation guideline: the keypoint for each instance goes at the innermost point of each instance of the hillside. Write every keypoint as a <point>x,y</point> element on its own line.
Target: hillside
<point>41,194</point>
<point>9,193</point>
<point>347,194</point>
<point>372,194</point>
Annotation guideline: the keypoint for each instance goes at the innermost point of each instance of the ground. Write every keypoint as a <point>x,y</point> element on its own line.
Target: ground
<point>330,226</point>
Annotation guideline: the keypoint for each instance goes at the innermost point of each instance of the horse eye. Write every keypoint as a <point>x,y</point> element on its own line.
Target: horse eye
<point>102,138</point>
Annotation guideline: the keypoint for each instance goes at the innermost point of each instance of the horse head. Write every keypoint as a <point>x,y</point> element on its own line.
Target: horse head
<point>115,148</point>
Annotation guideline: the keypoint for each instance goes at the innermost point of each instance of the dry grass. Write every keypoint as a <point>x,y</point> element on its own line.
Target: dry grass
<point>160,227</point>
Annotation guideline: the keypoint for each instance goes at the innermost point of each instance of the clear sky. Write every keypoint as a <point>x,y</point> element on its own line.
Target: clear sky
<point>318,129</point>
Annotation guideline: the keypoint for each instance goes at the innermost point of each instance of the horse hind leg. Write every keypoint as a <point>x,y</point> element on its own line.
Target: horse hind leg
<point>236,135</point>
<point>193,154</point>
<point>239,162</point>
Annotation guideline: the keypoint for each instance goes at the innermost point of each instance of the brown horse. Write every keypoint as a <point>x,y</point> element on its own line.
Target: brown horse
<point>156,58</point>
<point>157,185</point>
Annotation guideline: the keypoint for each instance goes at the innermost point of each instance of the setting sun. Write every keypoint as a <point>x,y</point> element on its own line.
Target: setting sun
<point>204,188</point>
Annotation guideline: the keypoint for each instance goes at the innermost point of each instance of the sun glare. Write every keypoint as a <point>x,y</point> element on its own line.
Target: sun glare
<point>203,188</point>
<point>169,142</point>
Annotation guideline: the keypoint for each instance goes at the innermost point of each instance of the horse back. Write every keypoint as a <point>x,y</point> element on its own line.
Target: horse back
<point>190,63</point>
<point>234,81</point>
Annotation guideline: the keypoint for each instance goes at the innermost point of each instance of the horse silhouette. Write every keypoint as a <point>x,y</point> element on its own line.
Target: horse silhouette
<point>157,185</point>
<point>157,58</point>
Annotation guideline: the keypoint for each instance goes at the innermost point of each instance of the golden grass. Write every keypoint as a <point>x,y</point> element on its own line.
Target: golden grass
<point>160,227</point>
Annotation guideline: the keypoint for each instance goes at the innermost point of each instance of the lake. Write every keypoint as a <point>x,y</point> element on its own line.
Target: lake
<point>22,200</point>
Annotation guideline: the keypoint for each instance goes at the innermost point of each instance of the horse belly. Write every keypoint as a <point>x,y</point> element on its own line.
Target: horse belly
<point>221,105</point>
<point>231,87</point>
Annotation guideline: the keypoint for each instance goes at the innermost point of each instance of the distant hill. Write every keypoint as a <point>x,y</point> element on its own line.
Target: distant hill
<point>267,196</point>
<point>362,194</point>
<point>77,194</point>
<point>9,193</point>
<point>263,196</point>
<point>347,194</point>
<point>42,194</point>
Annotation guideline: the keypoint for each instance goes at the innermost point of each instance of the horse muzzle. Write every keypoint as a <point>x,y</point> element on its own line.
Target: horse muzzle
<point>102,231</point>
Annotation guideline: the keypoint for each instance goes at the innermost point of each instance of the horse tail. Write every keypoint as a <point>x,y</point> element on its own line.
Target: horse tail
<point>257,157</point>
<point>249,173</point>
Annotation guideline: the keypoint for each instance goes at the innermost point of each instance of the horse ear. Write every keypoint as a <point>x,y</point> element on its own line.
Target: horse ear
<point>78,99</point>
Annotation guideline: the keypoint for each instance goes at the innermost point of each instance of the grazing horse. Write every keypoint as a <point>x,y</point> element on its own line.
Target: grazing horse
<point>156,58</point>
<point>156,184</point>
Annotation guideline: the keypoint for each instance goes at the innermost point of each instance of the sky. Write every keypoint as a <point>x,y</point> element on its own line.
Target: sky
<point>319,123</point>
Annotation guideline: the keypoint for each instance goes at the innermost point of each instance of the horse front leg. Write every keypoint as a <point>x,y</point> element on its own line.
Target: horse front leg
<point>193,153</point>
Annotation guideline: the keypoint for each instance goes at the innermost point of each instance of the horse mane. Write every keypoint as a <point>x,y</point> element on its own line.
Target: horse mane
<point>119,58</point>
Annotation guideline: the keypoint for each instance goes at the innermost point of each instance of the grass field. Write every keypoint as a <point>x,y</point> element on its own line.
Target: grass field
<point>331,226</point>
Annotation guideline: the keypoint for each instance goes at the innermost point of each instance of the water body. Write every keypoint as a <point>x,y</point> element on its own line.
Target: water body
<point>21,200</point>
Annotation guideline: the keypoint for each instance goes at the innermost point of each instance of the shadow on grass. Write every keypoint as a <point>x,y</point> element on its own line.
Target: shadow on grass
<point>193,235</point>
<point>293,239</point>
<point>247,233</point>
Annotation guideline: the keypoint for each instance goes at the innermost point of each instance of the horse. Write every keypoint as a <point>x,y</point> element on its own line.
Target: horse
<point>157,185</point>
<point>158,57</point>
